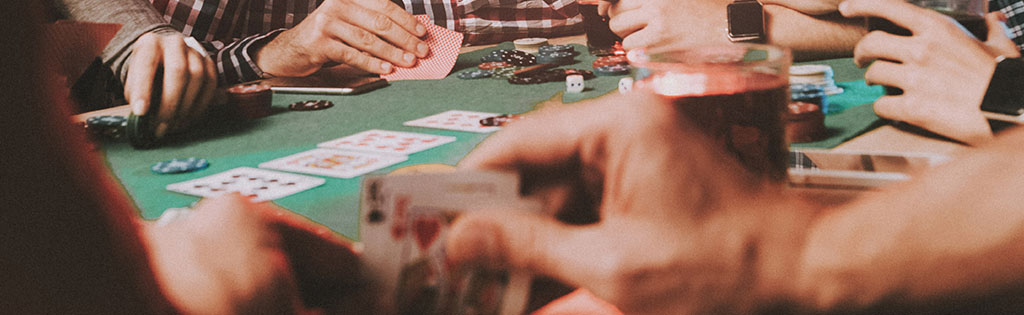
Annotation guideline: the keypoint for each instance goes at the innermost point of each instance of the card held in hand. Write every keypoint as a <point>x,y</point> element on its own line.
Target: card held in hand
<point>404,223</point>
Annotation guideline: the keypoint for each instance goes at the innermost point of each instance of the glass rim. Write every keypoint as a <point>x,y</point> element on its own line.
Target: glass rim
<point>641,57</point>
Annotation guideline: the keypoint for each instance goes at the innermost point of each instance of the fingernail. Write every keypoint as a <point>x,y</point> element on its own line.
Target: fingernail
<point>161,130</point>
<point>137,107</point>
<point>420,29</point>
<point>422,49</point>
<point>386,66</point>
<point>409,57</point>
<point>842,6</point>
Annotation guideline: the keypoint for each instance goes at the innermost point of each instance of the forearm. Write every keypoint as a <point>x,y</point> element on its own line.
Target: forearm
<point>136,17</point>
<point>812,36</point>
<point>957,231</point>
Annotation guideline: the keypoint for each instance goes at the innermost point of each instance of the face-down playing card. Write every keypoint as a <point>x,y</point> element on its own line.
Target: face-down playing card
<point>444,51</point>
<point>334,163</point>
<point>260,185</point>
<point>388,142</point>
<point>404,224</point>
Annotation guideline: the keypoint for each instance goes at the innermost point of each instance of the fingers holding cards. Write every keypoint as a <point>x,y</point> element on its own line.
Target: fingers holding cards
<point>405,220</point>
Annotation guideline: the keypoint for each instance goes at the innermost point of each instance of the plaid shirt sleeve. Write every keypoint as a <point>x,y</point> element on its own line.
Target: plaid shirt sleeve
<point>493,21</point>
<point>1014,11</point>
<point>236,61</point>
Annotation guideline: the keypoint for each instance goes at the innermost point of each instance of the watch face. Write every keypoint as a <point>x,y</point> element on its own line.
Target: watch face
<point>746,19</point>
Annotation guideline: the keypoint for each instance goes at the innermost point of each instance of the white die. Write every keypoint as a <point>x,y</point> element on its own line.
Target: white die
<point>574,83</point>
<point>625,85</point>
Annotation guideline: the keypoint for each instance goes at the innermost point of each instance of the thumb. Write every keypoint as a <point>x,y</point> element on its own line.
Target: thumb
<point>526,241</point>
<point>998,43</point>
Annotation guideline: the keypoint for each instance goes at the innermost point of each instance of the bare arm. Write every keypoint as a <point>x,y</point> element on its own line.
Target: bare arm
<point>957,231</point>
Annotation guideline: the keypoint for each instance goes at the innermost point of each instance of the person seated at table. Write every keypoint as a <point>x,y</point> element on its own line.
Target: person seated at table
<point>490,22</point>
<point>947,76</point>
<point>811,28</point>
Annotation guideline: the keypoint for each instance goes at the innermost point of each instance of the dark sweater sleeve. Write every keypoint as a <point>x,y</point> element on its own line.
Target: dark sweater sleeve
<point>136,17</point>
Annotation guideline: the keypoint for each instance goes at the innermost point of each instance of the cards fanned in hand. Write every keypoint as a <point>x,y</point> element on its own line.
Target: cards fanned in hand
<point>459,120</point>
<point>260,185</point>
<point>404,223</point>
<point>334,163</point>
<point>444,51</point>
<point>388,142</point>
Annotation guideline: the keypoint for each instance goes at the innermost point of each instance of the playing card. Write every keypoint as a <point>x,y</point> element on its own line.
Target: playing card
<point>334,163</point>
<point>388,142</point>
<point>405,221</point>
<point>444,51</point>
<point>260,185</point>
<point>455,120</point>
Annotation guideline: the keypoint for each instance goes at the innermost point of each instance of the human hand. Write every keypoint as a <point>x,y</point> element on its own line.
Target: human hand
<point>231,256</point>
<point>668,23</point>
<point>942,69</point>
<point>340,31</point>
<point>681,227</point>
<point>998,43</point>
<point>186,87</point>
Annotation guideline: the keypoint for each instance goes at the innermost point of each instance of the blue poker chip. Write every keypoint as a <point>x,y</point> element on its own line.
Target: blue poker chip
<point>475,74</point>
<point>554,48</point>
<point>177,166</point>
<point>556,58</point>
<point>612,70</point>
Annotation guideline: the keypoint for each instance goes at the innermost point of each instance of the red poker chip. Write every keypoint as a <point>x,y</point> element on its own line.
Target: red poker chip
<point>610,61</point>
<point>493,65</point>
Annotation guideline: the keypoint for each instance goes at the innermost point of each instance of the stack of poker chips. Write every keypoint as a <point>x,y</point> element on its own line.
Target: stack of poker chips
<point>111,127</point>
<point>816,75</point>
<point>518,58</point>
<point>250,101</point>
<point>810,93</point>
<point>611,65</point>
<point>530,45</point>
<point>556,54</point>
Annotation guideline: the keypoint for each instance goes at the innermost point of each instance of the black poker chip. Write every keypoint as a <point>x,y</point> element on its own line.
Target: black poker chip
<point>311,105</point>
<point>493,56</point>
<point>106,126</point>
<point>475,74</point>
<point>526,80</point>
<point>518,58</point>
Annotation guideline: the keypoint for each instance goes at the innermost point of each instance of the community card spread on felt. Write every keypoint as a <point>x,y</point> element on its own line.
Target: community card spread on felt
<point>387,142</point>
<point>455,120</point>
<point>444,51</point>
<point>334,163</point>
<point>260,185</point>
<point>404,224</point>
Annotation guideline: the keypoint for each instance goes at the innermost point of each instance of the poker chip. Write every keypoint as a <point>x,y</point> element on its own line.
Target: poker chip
<point>504,73</point>
<point>611,70</point>
<point>494,56</point>
<point>530,45</point>
<point>556,58</point>
<point>311,105</point>
<point>141,130</point>
<point>518,58</point>
<point>526,80</point>
<point>587,74</point>
<point>106,126</point>
<point>500,120</point>
<point>250,101</point>
<point>610,61</point>
<point>492,65</point>
<point>177,166</point>
<point>474,74</point>
<point>556,48</point>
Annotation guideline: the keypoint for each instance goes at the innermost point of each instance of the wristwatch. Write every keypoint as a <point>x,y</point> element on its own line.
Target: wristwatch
<point>746,21</point>
<point>1004,94</point>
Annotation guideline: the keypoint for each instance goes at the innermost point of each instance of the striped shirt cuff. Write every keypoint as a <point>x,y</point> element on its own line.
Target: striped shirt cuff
<point>236,62</point>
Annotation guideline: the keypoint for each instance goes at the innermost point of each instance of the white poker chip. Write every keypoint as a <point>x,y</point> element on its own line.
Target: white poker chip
<point>809,70</point>
<point>532,41</point>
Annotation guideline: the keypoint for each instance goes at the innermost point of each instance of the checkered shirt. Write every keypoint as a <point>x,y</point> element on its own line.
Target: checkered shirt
<point>233,30</point>
<point>1014,11</point>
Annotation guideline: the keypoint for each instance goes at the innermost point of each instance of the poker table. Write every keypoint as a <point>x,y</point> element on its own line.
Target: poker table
<point>229,145</point>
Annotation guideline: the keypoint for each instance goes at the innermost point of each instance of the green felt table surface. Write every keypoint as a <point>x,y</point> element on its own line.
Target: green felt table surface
<point>228,145</point>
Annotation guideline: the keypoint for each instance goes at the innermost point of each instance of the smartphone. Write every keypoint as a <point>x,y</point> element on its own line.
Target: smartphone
<point>856,169</point>
<point>340,80</point>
